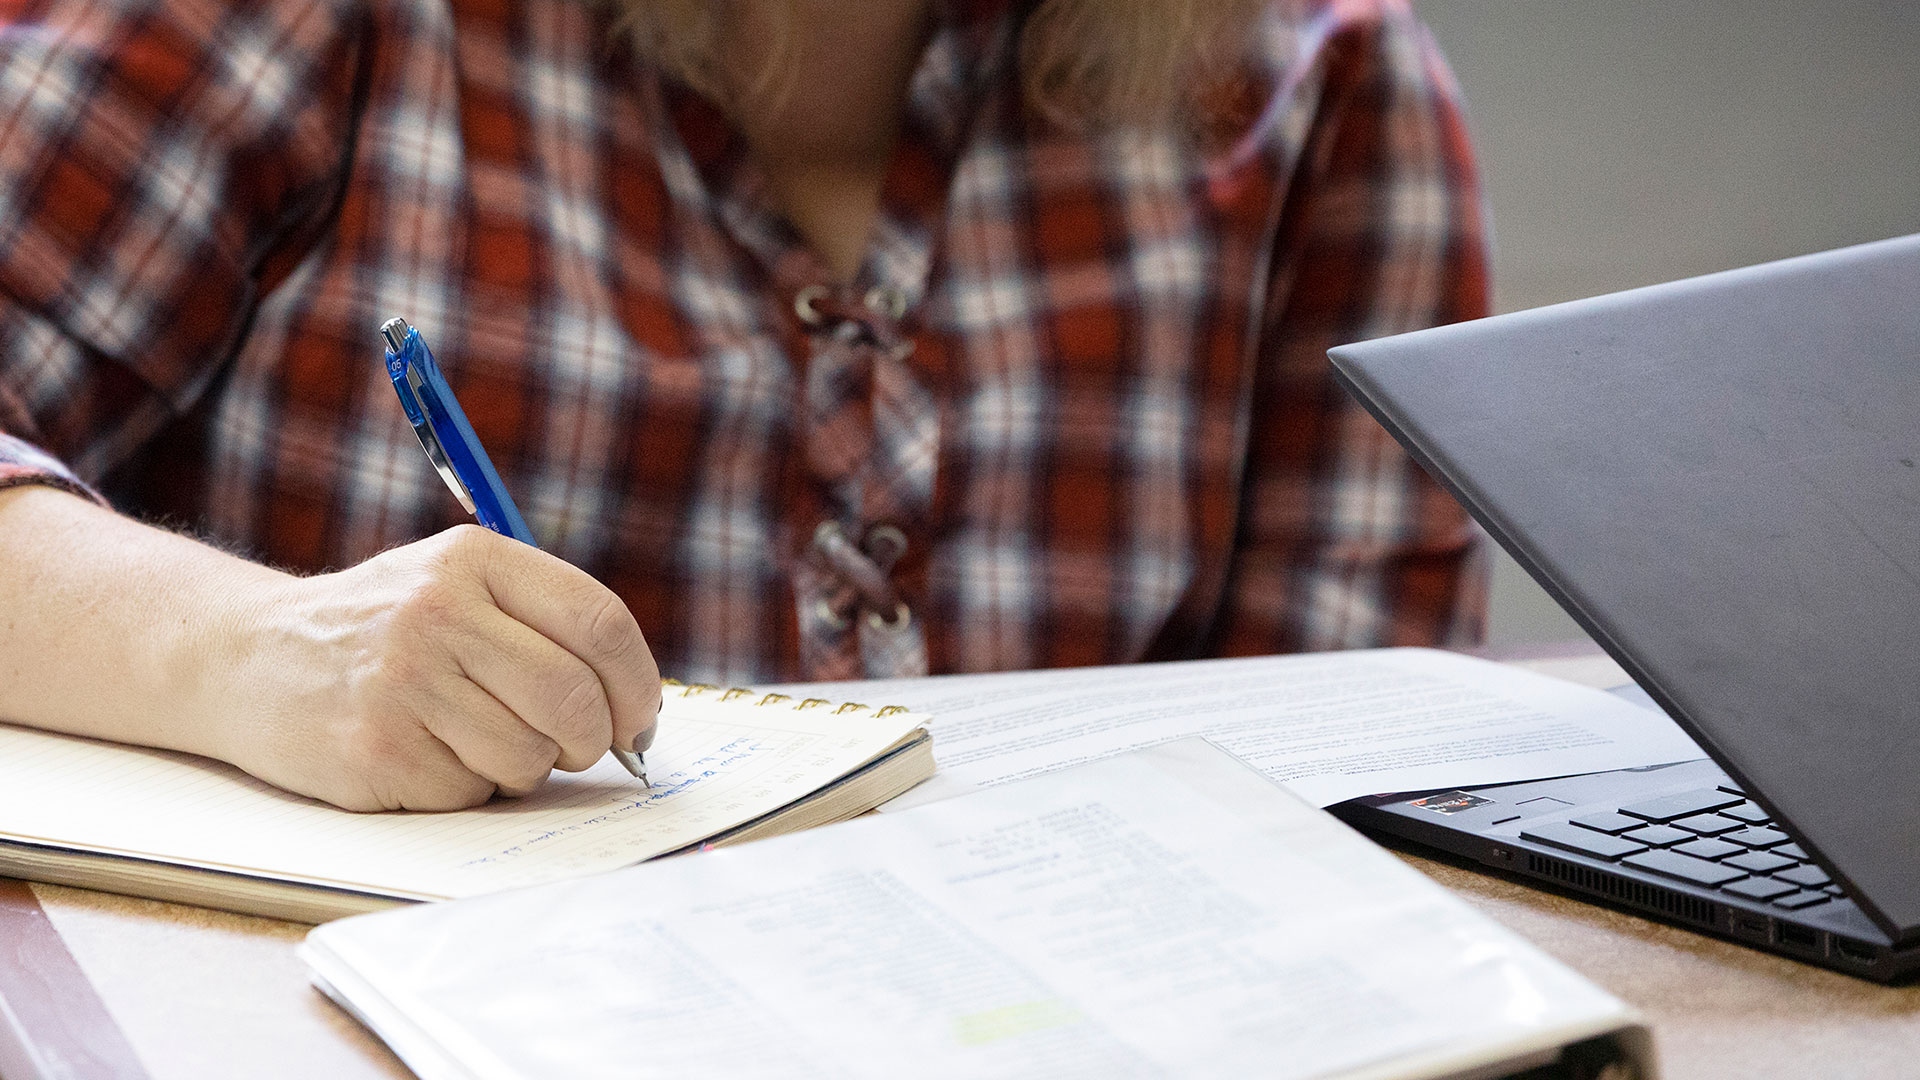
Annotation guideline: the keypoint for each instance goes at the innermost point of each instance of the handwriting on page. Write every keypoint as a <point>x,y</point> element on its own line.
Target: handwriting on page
<point>669,788</point>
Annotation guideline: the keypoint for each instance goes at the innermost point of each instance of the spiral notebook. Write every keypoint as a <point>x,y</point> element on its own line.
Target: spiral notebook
<point>729,766</point>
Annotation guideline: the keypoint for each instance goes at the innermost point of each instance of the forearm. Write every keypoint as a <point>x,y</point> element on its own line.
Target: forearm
<point>113,629</point>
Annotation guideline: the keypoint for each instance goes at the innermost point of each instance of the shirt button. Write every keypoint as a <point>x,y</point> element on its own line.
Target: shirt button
<point>887,303</point>
<point>824,611</point>
<point>805,304</point>
<point>884,544</point>
<point>901,617</point>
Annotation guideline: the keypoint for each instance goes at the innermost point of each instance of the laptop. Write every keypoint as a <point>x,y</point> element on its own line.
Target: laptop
<point>1719,478</point>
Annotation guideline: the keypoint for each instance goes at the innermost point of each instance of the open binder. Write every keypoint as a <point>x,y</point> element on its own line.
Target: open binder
<point>1169,912</point>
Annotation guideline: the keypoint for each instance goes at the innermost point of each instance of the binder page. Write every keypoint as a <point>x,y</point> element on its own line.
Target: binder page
<point>713,766</point>
<point>1330,726</point>
<point>1164,913</point>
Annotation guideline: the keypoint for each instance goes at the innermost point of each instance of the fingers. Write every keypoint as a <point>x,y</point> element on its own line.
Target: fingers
<point>404,767</point>
<point>438,781</point>
<point>554,700</point>
<point>565,605</point>
<point>436,674</point>
<point>490,741</point>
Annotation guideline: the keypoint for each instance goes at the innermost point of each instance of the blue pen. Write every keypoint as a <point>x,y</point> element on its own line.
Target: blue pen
<point>455,451</point>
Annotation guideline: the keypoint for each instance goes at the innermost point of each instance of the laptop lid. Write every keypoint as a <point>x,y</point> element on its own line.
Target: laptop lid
<point>1720,479</point>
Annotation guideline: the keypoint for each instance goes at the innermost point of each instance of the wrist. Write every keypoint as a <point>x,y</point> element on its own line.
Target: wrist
<point>116,630</point>
<point>213,665</point>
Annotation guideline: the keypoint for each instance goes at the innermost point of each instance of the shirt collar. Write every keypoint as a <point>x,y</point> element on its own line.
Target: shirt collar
<point>970,46</point>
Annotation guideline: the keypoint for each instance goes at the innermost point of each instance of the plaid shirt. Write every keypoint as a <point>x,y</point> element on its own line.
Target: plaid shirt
<point>1075,410</point>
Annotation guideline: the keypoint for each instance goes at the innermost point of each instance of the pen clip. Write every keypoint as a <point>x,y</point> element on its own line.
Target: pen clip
<point>401,342</point>
<point>431,444</point>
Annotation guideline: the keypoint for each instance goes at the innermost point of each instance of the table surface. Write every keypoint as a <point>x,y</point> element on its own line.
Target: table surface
<point>204,994</point>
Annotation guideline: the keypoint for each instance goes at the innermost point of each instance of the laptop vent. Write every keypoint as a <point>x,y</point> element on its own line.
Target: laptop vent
<point>1666,901</point>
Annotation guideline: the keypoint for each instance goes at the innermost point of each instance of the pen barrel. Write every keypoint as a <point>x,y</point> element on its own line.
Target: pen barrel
<point>431,406</point>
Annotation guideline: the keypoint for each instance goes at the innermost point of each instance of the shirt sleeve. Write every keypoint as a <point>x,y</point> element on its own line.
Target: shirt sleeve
<point>1343,541</point>
<point>160,161</point>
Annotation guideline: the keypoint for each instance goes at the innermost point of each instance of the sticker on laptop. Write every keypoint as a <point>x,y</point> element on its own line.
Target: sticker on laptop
<point>1449,802</point>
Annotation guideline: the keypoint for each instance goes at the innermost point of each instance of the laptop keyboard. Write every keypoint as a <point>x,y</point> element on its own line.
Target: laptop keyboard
<point>1713,837</point>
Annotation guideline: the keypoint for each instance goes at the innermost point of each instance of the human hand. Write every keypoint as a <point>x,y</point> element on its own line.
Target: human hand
<point>431,676</point>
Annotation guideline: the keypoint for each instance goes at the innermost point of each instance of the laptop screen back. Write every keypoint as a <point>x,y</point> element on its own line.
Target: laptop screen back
<point>1720,478</point>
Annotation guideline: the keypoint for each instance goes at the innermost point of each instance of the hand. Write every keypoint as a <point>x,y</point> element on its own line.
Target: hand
<point>432,676</point>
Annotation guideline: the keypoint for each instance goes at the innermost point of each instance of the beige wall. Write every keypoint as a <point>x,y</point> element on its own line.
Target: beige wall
<point>1626,142</point>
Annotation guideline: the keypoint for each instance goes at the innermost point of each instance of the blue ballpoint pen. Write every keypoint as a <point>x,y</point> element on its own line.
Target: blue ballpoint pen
<point>455,451</point>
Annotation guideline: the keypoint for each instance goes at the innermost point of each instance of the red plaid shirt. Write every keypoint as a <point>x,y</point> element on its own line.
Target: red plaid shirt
<point>1081,378</point>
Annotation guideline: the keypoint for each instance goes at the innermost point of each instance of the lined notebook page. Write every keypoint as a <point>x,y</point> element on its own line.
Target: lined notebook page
<point>714,765</point>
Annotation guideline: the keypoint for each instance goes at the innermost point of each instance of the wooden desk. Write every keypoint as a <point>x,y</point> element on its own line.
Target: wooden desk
<point>205,994</point>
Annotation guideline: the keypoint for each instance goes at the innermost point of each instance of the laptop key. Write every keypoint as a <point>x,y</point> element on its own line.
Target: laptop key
<point>1709,824</point>
<point>1804,899</point>
<point>1608,822</point>
<point>1704,848</point>
<point>1792,851</point>
<point>1746,812</point>
<point>1760,862</point>
<point>1659,835</point>
<point>1685,867</point>
<point>1687,803</point>
<point>1809,876</point>
<point>1585,841</point>
<point>1758,888</point>
<point>1756,837</point>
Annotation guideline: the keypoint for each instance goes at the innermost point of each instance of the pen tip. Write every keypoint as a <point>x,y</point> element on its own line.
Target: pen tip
<point>633,763</point>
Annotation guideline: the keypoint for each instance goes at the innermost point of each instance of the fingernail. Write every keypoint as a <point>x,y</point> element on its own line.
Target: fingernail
<point>645,738</point>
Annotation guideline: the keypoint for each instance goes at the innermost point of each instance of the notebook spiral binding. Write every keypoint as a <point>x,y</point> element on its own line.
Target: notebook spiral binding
<point>731,693</point>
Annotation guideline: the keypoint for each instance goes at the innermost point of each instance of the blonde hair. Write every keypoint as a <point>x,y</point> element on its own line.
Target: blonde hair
<point>1080,61</point>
